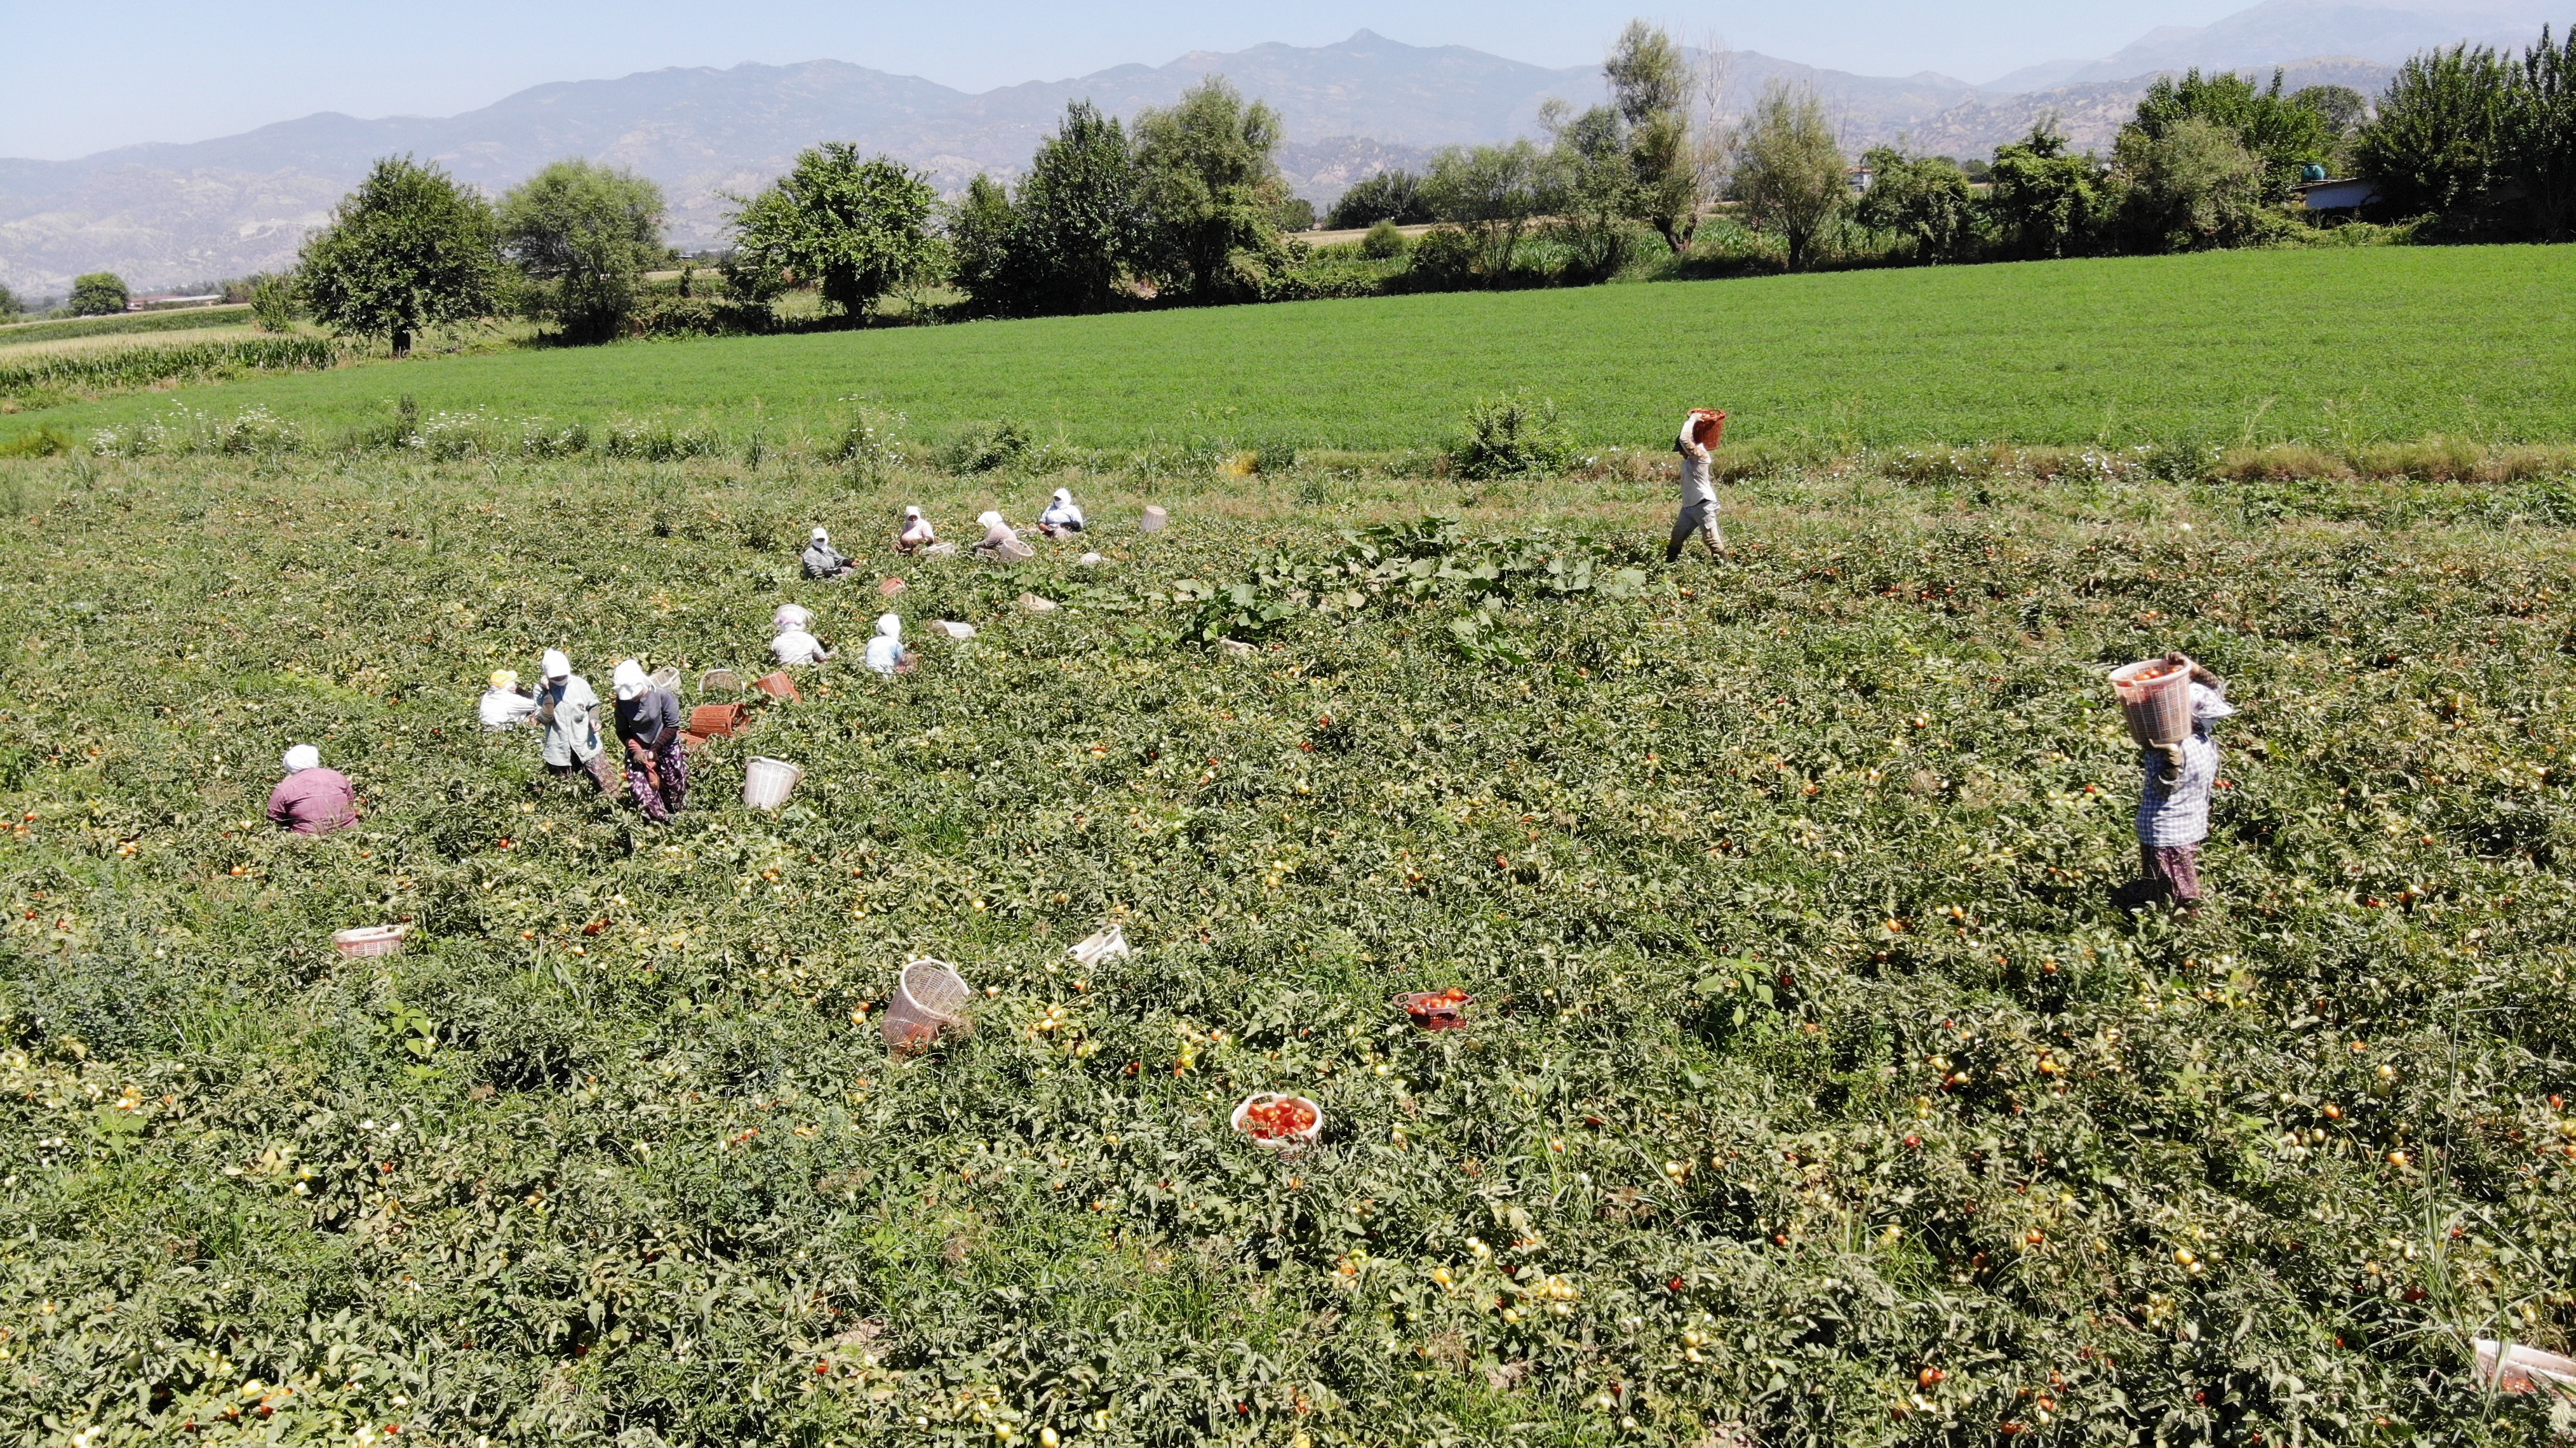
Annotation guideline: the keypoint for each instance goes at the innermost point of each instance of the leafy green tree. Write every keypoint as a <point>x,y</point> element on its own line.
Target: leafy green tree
<point>1384,242</point>
<point>2042,202</point>
<point>409,249</point>
<point>983,229</point>
<point>10,305</point>
<point>2193,187</point>
<point>2438,136</point>
<point>585,235</point>
<point>96,294</point>
<point>856,229</point>
<point>1493,191</point>
<point>2282,135</point>
<point>273,305</point>
<point>1387,196</point>
<point>1080,225</point>
<point>1209,184</point>
<point>2540,140</point>
<point>1651,89</point>
<point>1924,199</point>
<point>1789,173</point>
<point>2342,108</point>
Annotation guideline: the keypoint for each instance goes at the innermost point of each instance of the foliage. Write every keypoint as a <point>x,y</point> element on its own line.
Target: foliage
<point>2328,346</point>
<point>185,319</point>
<point>2044,203</point>
<point>585,234</point>
<point>10,306</point>
<point>2434,144</point>
<point>147,364</point>
<point>1444,259</point>
<point>2340,108</point>
<point>274,304</point>
<point>409,249</point>
<point>1208,182</point>
<point>98,294</point>
<point>1788,170</point>
<point>1924,199</point>
<point>1384,242</point>
<point>1296,213</point>
<point>2282,135</point>
<point>988,448</point>
<point>1068,240</point>
<point>1392,195</point>
<point>857,229</point>
<point>1512,437</point>
<point>1492,192</point>
<point>1784,902</point>
<point>1652,91</point>
<point>2190,187</point>
<point>2540,134</point>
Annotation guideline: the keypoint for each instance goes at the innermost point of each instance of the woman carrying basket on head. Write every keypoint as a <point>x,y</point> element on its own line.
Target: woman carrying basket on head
<point>2173,798</point>
<point>1700,433</point>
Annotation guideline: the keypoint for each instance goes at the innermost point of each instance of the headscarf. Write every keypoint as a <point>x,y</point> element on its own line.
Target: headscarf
<point>2209,705</point>
<point>915,524</point>
<point>504,679</point>
<point>303,757</point>
<point>822,535</point>
<point>789,616</point>
<point>996,532</point>
<point>1063,509</point>
<point>885,651</point>
<point>630,681</point>
<point>556,666</point>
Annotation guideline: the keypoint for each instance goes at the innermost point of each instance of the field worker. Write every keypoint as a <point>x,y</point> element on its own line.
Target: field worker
<point>1700,432</point>
<point>648,720</point>
<point>917,533</point>
<point>312,800</point>
<point>2173,802</point>
<point>822,560</point>
<point>795,642</point>
<point>505,705</point>
<point>569,711</point>
<point>999,539</point>
<point>1062,515</point>
<point>886,653</point>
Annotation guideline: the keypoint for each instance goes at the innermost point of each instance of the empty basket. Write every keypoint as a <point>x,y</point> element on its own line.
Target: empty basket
<point>766,783</point>
<point>719,681</point>
<point>368,940</point>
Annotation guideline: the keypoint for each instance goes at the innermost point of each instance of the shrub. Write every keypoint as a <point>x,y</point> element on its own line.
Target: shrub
<point>1512,438</point>
<point>1389,196</point>
<point>1385,242</point>
<point>867,445</point>
<point>1924,200</point>
<point>988,449</point>
<point>273,306</point>
<point>98,294</point>
<point>1444,259</point>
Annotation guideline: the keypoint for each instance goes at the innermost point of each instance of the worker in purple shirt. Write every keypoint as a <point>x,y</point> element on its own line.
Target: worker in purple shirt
<point>312,800</point>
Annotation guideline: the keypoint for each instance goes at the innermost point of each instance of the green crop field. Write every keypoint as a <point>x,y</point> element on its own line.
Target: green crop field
<point>2330,347</point>
<point>64,329</point>
<point>1813,1091</point>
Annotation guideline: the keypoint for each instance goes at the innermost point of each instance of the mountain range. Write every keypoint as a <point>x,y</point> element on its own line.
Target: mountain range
<point>171,213</point>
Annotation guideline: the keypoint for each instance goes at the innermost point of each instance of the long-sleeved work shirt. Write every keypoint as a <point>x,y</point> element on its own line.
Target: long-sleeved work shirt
<point>314,801</point>
<point>570,712</point>
<point>649,719</point>
<point>2176,812</point>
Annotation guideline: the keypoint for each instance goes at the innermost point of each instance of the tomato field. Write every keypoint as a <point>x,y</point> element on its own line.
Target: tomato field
<point>1811,1091</point>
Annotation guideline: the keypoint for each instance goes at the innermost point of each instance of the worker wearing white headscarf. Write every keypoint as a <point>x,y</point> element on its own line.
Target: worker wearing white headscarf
<point>1062,515</point>
<point>886,653</point>
<point>312,800</point>
<point>790,615</point>
<point>795,642</point>
<point>917,533</point>
<point>822,560</point>
<point>1000,541</point>
<point>1700,430</point>
<point>648,721</point>
<point>504,704</point>
<point>2173,801</point>
<point>569,711</point>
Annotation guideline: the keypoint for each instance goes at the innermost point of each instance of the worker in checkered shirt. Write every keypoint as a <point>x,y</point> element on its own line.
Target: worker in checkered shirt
<point>2173,803</point>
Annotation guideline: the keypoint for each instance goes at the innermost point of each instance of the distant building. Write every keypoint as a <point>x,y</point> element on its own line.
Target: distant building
<point>172,301</point>
<point>2349,193</point>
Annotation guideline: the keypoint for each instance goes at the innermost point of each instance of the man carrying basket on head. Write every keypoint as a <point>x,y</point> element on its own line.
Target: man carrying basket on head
<point>1700,433</point>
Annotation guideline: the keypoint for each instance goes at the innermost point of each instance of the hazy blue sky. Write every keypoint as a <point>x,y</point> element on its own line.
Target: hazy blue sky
<point>85,77</point>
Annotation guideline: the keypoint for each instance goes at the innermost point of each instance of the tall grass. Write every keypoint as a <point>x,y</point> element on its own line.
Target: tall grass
<point>144,366</point>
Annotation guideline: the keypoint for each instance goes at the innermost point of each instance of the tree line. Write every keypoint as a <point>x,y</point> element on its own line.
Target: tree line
<point>1186,205</point>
